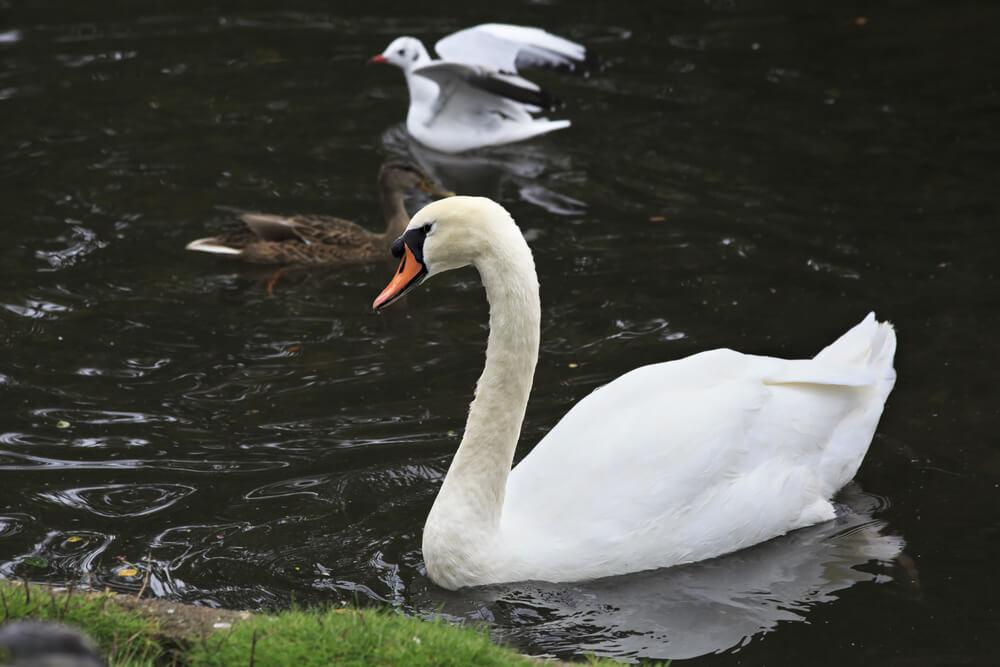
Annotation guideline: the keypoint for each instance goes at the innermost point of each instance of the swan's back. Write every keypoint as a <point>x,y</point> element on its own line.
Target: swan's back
<point>690,459</point>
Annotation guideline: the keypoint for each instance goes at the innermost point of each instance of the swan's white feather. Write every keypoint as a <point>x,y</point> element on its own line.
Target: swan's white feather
<point>690,459</point>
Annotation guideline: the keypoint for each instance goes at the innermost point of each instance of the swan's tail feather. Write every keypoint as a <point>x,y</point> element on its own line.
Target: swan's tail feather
<point>870,345</point>
<point>853,346</point>
<point>883,347</point>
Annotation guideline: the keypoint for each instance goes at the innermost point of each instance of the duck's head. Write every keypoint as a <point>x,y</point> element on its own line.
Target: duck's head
<point>449,234</point>
<point>404,176</point>
<point>403,52</point>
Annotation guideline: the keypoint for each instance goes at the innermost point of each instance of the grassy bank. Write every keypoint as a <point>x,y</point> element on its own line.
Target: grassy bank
<point>136,633</point>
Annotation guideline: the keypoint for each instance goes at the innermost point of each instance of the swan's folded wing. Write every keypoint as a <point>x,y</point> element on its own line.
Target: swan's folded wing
<point>688,445</point>
<point>655,436</point>
<point>810,371</point>
<point>506,48</point>
<point>661,466</point>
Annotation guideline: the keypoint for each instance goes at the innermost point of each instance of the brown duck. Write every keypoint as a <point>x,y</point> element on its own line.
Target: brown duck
<point>321,239</point>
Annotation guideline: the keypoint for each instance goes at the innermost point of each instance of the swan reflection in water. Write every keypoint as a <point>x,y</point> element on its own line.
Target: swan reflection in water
<point>489,172</point>
<point>691,610</point>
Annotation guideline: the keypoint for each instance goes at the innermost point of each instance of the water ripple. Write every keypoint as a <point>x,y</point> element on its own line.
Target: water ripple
<point>120,500</point>
<point>81,243</point>
<point>12,524</point>
<point>67,556</point>
<point>36,309</point>
<point>19,461</point>
<point>103,417</point>
<point>293,487</point>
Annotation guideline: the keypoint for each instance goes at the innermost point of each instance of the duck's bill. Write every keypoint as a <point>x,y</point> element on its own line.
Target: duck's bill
<point>433,189</point>
<point>411,272</point>
<point>377,60</point>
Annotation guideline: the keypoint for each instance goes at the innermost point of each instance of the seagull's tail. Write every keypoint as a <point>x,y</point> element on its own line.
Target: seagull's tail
<point>541,126</point>
<point>552,125</point>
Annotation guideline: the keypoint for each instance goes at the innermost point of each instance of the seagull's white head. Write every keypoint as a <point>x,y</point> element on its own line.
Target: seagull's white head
<point>404,52</point>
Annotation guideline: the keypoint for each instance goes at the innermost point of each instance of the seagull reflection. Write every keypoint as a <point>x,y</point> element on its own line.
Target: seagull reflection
<point>692,610</point>
<point>490,172</point>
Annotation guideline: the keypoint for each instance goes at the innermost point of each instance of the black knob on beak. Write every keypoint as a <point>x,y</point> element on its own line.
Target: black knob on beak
<point>397,247</point>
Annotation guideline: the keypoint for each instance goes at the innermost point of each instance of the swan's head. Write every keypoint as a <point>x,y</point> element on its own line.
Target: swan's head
<point>449,234</point>
<point>403,52</point>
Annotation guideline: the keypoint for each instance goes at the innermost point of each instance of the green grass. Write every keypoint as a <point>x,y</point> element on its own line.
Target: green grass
<point>349,637</point>
<point>298,638</point>
<point>125,638</point>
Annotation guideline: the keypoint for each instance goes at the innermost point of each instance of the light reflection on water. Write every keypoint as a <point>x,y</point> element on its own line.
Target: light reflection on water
<point>160,409</point>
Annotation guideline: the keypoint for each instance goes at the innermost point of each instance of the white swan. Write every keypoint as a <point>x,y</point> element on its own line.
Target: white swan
<point>474,97</point>
<point>670,463</point>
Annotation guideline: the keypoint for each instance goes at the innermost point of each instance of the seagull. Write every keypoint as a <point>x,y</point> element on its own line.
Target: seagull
<point>473,96</point>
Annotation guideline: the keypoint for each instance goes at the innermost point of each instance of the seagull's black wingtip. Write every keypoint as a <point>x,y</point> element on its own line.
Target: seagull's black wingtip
<point>512,91</point>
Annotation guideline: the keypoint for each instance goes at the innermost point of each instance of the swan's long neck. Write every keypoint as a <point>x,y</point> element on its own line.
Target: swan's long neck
<point>467,511</point>
<point>393,210</point>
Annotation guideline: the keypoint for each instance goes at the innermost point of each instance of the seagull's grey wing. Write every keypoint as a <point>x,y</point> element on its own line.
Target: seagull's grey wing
<point>462,83</point>
<point>506,48</point>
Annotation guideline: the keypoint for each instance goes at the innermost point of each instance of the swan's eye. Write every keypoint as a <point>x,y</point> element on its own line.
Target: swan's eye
<point>428,228</point>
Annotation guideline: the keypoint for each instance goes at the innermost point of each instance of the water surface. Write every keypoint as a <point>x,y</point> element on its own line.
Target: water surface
<point>750,174</point>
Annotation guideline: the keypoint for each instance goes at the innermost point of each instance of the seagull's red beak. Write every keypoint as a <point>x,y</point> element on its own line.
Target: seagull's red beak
<point>377,60</point>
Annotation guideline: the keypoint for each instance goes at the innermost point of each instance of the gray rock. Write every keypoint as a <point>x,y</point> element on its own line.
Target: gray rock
<point>43,644</point>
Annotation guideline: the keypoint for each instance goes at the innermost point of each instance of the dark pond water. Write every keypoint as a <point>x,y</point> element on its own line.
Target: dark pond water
<point>752,174</point>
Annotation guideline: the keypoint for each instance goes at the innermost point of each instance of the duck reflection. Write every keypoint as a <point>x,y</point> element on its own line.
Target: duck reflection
<point>688,611</point>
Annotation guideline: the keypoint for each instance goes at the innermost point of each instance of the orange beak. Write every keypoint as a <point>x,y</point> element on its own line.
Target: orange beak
<point>377,60</point>
<point>409,274</point>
